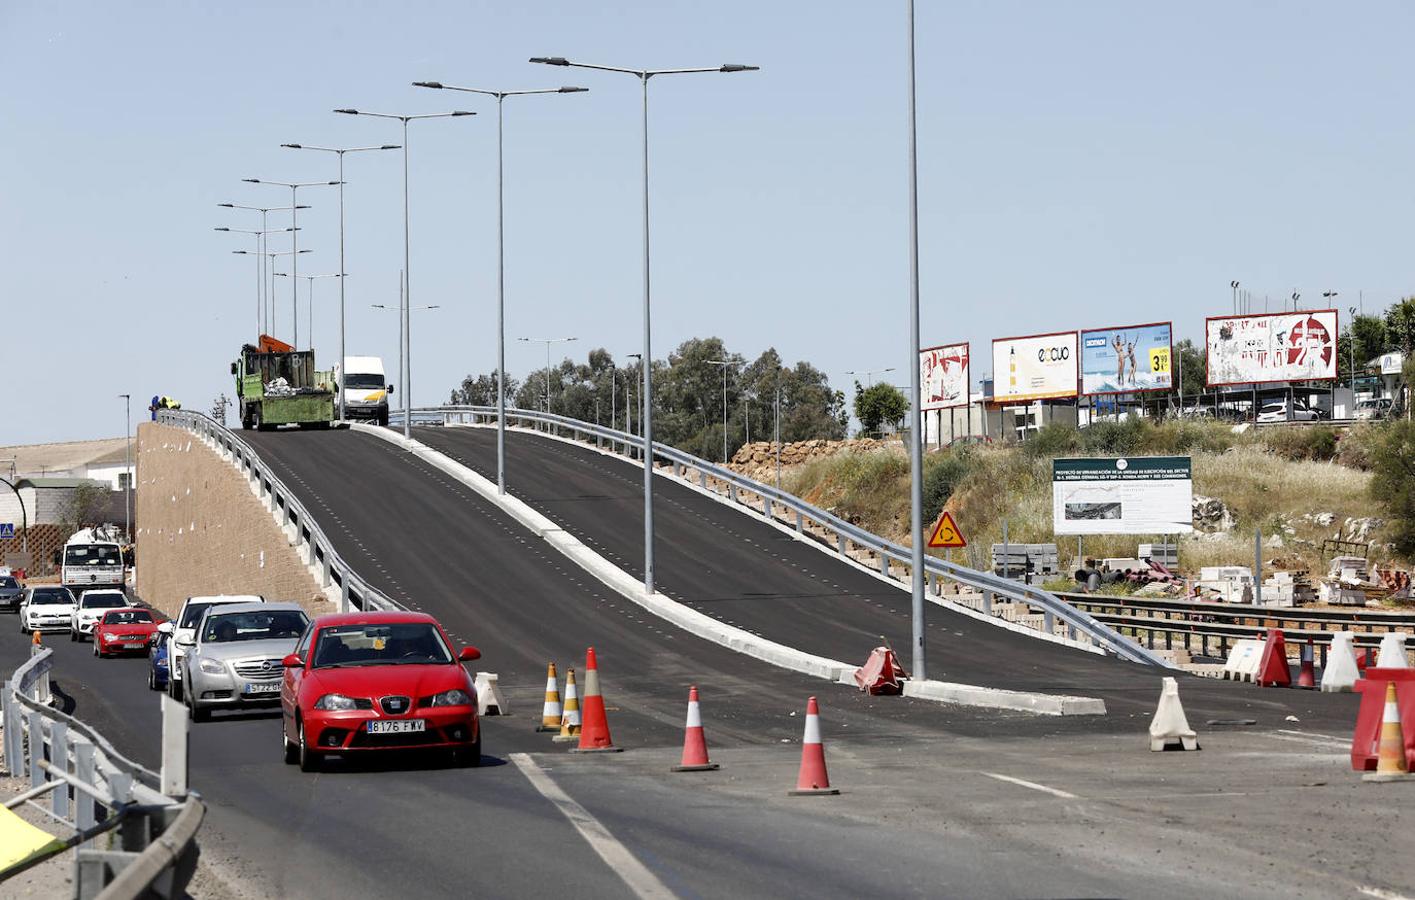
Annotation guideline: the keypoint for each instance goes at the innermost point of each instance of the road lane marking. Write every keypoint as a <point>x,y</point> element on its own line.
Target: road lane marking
<point>1381,893</point>
<point>1319,740</point>
<point>1033,785</point>
<point>634,874</point>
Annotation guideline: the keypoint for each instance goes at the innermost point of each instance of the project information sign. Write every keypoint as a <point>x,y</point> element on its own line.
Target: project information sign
<point>1290,346</point>
<point>1125,360</point>
<point>1036,367</point>
<point>1129,495</point>
<point>943,372</point>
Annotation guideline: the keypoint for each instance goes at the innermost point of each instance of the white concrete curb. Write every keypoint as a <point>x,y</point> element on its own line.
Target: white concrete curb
<point>708,628</point>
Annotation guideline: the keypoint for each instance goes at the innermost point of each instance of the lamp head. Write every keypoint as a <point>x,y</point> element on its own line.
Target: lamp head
<point>428,84</point>
<point>550,60</point>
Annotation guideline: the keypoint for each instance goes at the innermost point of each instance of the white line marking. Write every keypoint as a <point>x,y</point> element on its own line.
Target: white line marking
<point>1320,740</point>
<point>1381,893</point>
<point>634,874</point>
<point>1033,785</point>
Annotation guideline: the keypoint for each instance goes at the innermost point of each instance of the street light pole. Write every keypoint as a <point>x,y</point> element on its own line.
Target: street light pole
<point>629,397</point>
<point>916,444</point>
<point>1234,285</point>
<point>644,75</point>
<point>1352,355</point>
<point>259,269</point>
<point>264,244</point>
<point>294,187</point>
<point>309,288</point>
<point>547,342</point>
<point>128,466</point>
<point>723,363</point>
<point>500,257</point>
<point>340,151</point>
<point>870,374</point>
<point>407,278</point>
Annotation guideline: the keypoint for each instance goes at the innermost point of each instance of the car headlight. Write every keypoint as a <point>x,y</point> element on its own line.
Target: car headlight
<point>454,697</point>
<point>334,702</point>
<point>212,667</point>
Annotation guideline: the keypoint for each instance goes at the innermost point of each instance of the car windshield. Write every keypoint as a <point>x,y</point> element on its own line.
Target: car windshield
<point>224,628</point>
<point>92,555</point>
<point>399,643</point>
<point>127,617</point>
<point>363,381</point>
<point>51,595</point>
<point>7,582</point>
<point>103,600</point>
<point>192,614</point>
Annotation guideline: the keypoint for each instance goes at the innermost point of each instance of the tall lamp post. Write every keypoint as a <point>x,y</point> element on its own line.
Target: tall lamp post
<point>1234,285</point>
<point>916,443</point>
<point>269,256</point>
<point>294,187</point>
<point>264,242</point>
<point>547,342</point>
<point>870,374</point>
<point>128,466</point>
<point>309,295</point>
<point>1352,355</point>
<point>644,75</point>
<point>259,269</point>
<point>724,364</point>
<point>399,309</point>
<point>340,151</point>
<point>407,287</point>
<point>500,258</point>
<point>629,397</point>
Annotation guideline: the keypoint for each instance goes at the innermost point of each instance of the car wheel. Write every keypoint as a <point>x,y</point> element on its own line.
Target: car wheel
<point>151,679</point>
<point>96,651</point>
<point>199,713</point>
<point>73,635</point>
<point>308,759</point>
<point>292,751</point>
<point>174,687</point>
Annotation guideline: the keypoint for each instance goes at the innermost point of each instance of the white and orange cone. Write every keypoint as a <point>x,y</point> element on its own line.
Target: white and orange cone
<point>594,732</point>
<point>812,780</point>
<point>695,752</point>
<point>570,722</point>
<point>550,713</point>
<point>1391,764</point>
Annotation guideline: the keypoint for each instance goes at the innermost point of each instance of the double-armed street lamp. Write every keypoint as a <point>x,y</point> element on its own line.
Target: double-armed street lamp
<point>309,300</point>
<point>547,342</point>
<point>294,187</point>
<point>644,75</point>
<point>259,268</point>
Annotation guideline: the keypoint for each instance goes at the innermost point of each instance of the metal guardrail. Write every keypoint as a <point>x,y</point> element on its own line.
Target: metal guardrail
<point>848,537</point>
<point>95,790</point>
<point>319,552</point>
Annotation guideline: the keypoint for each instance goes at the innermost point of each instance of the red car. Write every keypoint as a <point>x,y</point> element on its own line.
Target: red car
<point>370,681</point>
<point>127,630</point>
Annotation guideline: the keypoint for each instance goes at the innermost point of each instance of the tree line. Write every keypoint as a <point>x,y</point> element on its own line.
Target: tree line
<point>688,396</point>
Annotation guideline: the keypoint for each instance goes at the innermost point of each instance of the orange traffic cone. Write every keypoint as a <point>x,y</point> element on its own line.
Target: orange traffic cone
<point>36,640</point>
<point>570,722</point>
<point>550,713</point>
<point>812,780</point>
<point>1390,753</point>
<point>695,754</point>
<point>594,733</point>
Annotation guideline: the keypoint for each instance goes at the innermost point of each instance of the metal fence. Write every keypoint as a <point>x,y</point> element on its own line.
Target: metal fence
<point>1056,616</point>
<point>335,576</point>
<point>132,839</point>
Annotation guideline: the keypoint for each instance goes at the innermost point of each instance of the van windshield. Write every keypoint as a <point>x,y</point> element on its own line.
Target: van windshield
<point>92,555</point>
<point>363,381</point>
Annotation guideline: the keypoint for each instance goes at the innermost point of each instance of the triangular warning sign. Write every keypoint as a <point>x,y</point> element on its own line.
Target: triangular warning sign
<point>946,533</point>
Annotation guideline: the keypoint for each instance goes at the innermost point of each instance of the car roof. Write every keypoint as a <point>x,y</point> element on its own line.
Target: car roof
<point>224,608</point>
<point>376,617</point>
<point>225,598</point>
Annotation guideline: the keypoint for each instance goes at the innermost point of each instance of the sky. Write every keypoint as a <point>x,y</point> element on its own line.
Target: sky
<point>1080,165</point>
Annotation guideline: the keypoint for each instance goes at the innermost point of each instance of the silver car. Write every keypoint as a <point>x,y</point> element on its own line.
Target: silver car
<point>235,658</point>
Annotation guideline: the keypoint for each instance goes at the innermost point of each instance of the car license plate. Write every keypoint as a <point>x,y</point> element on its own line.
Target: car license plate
<point>272,688</point>
<point>396,726</point>
<point>133,645</point>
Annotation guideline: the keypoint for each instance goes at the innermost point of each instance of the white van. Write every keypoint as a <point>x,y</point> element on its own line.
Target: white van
<point>366,388</point>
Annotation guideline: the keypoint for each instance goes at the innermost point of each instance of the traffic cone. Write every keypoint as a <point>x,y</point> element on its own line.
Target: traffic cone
<point>812,780</point>
<point>570,722</point>
<point>695,754</point>
<point>1307,677</point>
<point>550,713</point>
<point>594,733</point>
<point>36,641</point>
<point>1390,752</point>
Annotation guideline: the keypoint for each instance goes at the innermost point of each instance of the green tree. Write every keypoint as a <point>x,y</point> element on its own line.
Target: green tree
<point>84,506</point>
<point>1393,483</point>
<point>1193,368</point>
<point>481,391</point>
<point>1400,326</point>
<point>879,404</point>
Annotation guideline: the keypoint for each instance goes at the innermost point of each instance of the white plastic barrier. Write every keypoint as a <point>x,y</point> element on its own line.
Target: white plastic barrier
<point>1243,660</point>
<point>1340,672</point>
<point>1170,727</point>
<point>1392,652</point>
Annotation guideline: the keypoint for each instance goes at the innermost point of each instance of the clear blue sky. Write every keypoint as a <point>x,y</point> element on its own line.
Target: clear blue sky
<point>1081,164</point>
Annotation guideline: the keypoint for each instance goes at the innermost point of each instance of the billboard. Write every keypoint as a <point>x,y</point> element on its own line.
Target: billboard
<point>1127,360</point>
<point>1138,495</point>
<point>1034,367</point>
<point>1286,346</point>
<point>943,375</point>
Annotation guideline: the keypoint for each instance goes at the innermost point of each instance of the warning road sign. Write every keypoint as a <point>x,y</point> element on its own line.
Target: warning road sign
<point>947,533</point>
<point>7,531</point>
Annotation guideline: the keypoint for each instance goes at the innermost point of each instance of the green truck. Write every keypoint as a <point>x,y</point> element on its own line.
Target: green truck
<point>278,385</point>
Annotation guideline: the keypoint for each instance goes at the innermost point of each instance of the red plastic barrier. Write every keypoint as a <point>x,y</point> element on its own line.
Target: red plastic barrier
<point>881,673</point>
<point>1372,689</point>
<point>1273,670</point>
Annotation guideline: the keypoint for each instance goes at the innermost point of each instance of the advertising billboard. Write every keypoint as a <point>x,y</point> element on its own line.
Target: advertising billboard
<point>1127,360</point>
<point>943,375</point>
<point>1136,495</point>
<point>1286,346</point>
<point>1034,367</point>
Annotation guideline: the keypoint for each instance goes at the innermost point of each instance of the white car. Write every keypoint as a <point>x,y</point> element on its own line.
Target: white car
<point>180,633</point>
<point>1374,408</point>
<point>46,607</point>
<point>91,607</point>
<point>1277,412</point>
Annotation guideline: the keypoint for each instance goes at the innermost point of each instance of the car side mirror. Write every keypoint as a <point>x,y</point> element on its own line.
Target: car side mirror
<point>233,368</point>
<point>390,389</point>
<point>165,628</point>
<point>293,661</point>
<point>468,654</point>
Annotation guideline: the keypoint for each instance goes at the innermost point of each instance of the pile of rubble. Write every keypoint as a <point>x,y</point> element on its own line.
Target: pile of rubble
<point>758,459</point>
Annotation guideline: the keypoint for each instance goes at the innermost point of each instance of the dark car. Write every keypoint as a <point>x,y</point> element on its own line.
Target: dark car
<point>10,593</point>
<point>157,670</point>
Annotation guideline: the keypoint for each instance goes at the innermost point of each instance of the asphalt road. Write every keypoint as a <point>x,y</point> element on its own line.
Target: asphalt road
<point>740,570</point>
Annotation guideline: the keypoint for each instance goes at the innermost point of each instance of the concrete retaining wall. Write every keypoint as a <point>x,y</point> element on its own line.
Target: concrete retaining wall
<point>204,532</point>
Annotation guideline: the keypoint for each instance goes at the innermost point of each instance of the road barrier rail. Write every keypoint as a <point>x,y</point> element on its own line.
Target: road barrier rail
<point>335,576</point>
<point>1057,619</point>
<point>96,791</point>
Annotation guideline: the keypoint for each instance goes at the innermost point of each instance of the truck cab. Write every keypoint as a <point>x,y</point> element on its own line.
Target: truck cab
<point>366,388</point>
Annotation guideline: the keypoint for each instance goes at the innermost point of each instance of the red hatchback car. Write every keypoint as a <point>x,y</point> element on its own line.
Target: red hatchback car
<point>127,630</point>
<point>372,681</point>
